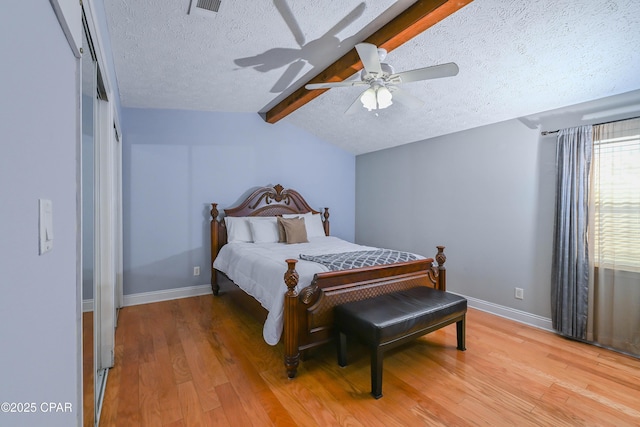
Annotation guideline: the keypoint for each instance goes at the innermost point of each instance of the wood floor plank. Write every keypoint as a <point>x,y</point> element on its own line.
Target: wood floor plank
<point>429,418</point>
<point>258,398</point>
<point>88,374</point>
<point>193,413</point>
<point>354,397</point>
<point>217,418</point>
<point>128,397</point>
<point>597,373</point>
<point>630,400</point>
<point>300,402</point>
<point>169,318</point>
<point>447,387</point>
<point>149,402</point>
<point>595,413</point>
<point>232,405</point>
<point>552,406</point>
<point>202,379</point>
<point>203,362</point>
<point>321,394</point>
<point>179,364</point>
<point>166,383</point>
<point>147,329</point>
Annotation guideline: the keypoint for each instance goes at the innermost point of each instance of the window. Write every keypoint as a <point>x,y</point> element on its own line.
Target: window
<point>616,195</point>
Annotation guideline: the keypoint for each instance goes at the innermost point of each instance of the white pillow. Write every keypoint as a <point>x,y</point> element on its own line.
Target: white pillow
<point>238,229</point>
<point>314,225</point>
<point>312,222</point>
<point>264,230</point>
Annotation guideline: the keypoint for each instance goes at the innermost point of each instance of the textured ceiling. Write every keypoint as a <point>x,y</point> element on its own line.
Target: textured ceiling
<point>517,59</point>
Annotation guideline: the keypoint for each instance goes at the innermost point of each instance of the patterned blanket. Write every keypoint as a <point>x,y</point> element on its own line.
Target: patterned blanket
<point>349,260</point>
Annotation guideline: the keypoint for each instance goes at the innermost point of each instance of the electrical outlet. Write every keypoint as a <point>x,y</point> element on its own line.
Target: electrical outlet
<point>196,270</point>
<point>519,293</point>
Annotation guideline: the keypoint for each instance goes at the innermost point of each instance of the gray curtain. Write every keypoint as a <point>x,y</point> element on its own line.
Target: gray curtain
<point>570,269</point>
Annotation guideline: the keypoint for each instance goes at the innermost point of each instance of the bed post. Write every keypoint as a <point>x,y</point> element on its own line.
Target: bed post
<point>325,223</point>
<point>291,326</point>
<point>214,247</point>
<point>442,271</point>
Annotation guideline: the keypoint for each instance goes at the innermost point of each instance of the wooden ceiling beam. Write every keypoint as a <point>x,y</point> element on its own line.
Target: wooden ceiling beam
<point>413,21</point>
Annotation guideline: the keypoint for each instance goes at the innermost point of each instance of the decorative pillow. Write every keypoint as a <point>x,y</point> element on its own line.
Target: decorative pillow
<point>313,223</point>
<point>264,230</point>
<point>282,235</point>
<point>238,229</point>
<point>295,230</point>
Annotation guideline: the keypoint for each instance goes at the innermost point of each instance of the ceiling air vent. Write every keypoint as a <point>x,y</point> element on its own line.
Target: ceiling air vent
<point>204,7</point>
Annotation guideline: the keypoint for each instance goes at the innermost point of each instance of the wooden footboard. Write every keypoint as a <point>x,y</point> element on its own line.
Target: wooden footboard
<point>308,315</point>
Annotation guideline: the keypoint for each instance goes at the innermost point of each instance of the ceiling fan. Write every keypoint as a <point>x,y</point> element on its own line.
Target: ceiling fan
<point>383,81</point>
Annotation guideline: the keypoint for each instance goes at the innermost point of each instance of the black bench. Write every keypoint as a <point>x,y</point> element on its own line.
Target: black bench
<point>389,320</point>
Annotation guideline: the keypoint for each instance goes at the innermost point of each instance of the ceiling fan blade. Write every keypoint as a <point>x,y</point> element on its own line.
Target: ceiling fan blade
<point>355,106</point>
<point>405,98</point>
<point>329,85</point>
<point>435,72</point>
<point>369,56</point>
<point>290,20</point>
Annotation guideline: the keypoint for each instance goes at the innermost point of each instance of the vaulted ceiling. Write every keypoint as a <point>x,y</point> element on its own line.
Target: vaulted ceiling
<point>516,59</point>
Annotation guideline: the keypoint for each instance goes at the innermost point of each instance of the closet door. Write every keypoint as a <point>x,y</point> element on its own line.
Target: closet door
<point>105,234</point>
<point>101,213</point>
<point>88,97</point>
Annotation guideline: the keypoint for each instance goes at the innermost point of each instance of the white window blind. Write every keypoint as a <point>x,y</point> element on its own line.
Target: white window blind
<point>616,195</point>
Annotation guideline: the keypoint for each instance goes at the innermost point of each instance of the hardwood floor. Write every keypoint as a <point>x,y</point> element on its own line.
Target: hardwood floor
<point>202,362</point>
<point>87,369</point>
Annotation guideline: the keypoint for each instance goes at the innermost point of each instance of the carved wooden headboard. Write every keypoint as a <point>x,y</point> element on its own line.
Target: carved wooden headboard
<point>265,201</point>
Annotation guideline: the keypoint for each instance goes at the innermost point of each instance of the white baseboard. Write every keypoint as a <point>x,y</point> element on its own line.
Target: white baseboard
<point>87,305</point>
<point>510,313</point>
<point>166,295</point>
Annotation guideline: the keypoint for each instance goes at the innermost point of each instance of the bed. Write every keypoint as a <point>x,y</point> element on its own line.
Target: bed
<point>303,306</point>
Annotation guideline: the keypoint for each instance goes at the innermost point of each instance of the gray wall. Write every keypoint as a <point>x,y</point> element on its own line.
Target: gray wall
<point>175,163</point>
<point>40,304</point>
<point>487,194</point>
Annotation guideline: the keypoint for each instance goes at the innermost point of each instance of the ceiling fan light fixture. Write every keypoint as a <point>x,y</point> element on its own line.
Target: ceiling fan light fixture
<point>384,97</point>
<point>368,99</point>
<point>376,98</point>
<point>383,81</point>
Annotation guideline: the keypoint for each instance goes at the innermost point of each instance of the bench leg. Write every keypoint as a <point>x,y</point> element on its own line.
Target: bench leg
<point>376,372</point>
<point>342,349</point>
<point>460,331</point>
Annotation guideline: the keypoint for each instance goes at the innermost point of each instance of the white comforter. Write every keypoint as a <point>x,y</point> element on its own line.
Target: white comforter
<point>258,268</point>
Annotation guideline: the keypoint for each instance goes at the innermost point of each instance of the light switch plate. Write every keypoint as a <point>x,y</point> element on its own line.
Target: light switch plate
<point>46,225</point>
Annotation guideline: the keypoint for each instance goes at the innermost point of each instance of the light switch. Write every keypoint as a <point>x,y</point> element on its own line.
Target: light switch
<point>46,225</point>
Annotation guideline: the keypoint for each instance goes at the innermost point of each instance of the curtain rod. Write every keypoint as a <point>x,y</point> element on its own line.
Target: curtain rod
<point>549,132</point>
